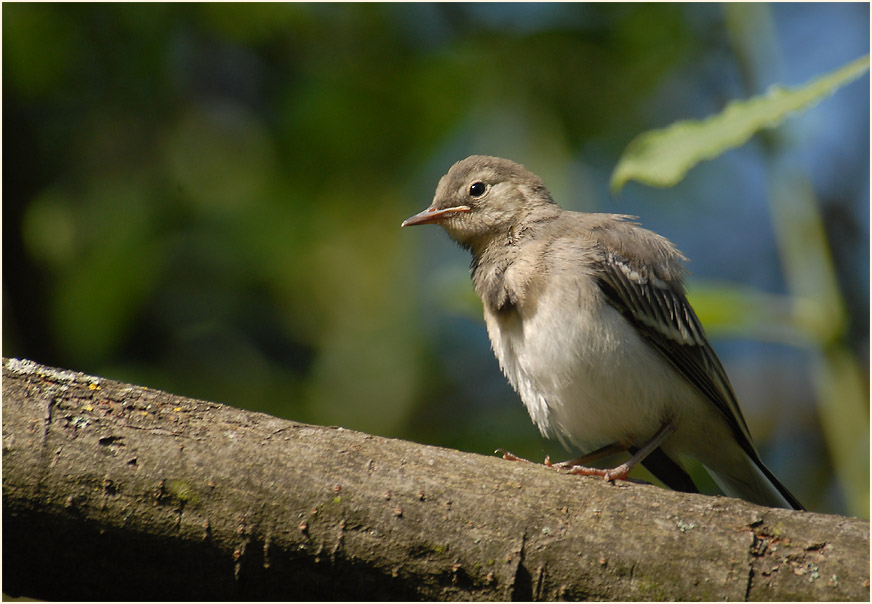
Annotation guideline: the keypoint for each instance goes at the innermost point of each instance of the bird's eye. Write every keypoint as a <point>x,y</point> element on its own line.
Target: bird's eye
<point>477,189</point>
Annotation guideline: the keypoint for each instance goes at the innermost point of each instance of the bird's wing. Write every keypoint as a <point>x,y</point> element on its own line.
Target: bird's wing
<point>663,316</point>
<point>665,319</point>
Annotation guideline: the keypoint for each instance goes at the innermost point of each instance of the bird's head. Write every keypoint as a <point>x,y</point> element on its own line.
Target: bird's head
<point>482,197</point>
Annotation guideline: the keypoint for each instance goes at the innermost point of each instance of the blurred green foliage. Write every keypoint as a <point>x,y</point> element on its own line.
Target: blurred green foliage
<point>661,158</point>
<point>206,198</point>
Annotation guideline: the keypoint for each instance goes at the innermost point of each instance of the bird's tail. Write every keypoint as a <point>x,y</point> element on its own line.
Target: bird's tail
<point>755,483</point>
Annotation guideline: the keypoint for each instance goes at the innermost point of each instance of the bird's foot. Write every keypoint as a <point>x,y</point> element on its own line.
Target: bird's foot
<point>511,456</point>
<point>620,472</point>
<point>559,465</point>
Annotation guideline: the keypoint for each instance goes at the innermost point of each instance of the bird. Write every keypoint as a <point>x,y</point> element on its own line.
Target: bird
<point>588,317</point>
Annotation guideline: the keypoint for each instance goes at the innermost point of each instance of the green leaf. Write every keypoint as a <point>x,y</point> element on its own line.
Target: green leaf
<point>661,158</point>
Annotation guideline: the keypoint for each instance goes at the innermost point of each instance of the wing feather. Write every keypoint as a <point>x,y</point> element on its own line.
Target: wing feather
<point>664,317</point>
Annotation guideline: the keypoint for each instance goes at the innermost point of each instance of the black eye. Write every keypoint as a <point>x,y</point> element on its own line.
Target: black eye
<point>477,189</point>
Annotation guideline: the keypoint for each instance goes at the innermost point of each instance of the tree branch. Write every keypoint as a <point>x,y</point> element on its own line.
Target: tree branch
<point>112,491</point>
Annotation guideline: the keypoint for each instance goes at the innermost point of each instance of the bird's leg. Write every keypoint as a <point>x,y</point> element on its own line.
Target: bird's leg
<point>622,471</point>
<point>589,457</point>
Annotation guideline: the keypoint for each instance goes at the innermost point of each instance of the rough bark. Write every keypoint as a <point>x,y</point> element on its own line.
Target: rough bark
<point>112,491</point>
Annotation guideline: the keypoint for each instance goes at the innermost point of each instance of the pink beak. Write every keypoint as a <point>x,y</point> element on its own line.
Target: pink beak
<point>431,215</point>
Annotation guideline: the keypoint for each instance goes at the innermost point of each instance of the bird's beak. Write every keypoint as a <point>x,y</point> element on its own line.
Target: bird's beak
<point>431,215</point>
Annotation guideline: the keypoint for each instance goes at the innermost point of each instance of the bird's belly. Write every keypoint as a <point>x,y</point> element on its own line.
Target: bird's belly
<point>587,378</point>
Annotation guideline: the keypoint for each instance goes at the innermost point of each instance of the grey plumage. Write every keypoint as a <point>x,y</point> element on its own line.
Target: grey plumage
<point>588,318</point>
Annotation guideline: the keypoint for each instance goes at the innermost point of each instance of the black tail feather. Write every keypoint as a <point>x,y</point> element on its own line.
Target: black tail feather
<point>667,471</point>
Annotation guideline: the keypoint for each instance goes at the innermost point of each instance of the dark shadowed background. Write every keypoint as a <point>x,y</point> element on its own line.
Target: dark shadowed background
<point>206,198</point>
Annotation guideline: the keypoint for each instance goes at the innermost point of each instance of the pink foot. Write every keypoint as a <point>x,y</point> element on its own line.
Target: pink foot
<point>619,473</point>
<point>511,456</point>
